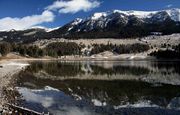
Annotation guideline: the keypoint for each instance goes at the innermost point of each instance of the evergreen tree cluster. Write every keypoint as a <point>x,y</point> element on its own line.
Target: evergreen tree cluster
<point>5,48</point>
<point>25,50</point>
<point>53,49</point>
<point>120,49</point>
<point>22,49</point>
<point>168,53</point>
<point>63,48</point>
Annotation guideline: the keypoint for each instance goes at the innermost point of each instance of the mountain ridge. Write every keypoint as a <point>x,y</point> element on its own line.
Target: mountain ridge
<point>173,13</point>
<point>111,24</point>
<point>117,22</point>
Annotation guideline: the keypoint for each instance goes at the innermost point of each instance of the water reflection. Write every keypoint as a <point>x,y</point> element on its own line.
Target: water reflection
<point>100,87</point>
<point>149,71</point>
<point>81,68</point>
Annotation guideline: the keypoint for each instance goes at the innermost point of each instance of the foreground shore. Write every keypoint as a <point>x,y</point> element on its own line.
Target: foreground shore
<point>8,68</point>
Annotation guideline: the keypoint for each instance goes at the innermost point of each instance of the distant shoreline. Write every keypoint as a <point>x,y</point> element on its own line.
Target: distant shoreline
<point>107,56</point>
<point>149,58</point>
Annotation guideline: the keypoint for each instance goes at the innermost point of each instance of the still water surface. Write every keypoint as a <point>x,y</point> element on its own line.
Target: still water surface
<point>101,87</point>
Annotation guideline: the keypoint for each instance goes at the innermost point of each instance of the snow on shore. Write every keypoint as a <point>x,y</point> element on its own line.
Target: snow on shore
<point>140,104</point>
<point>10,68</point>
<point>7,70</point>
<point>15,64</point>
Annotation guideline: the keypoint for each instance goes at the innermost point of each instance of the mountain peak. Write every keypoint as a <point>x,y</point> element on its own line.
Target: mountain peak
<point>174,13</point>
<point>98,15</point>
<point>76,21</point>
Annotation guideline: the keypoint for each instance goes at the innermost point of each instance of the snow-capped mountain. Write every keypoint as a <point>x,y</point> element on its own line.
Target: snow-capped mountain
<point>174,14</point>
<point>103,18</point>
<point>119,24</point>
<point>110,24</point>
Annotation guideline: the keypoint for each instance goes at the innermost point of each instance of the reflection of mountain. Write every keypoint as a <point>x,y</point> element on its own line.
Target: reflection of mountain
<point>113,93</point>
<point>52,100</point>
<point>59,103</point>
<point>149,71</point>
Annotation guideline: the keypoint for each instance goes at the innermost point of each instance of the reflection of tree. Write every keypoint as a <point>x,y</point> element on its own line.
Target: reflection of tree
<point>170,67</point>
<point>86,67</point>
<point>56,69</point>
<point>128,70</point>
<point>78,68</point>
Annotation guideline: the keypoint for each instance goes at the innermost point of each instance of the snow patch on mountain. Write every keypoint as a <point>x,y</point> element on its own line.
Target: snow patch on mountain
<point>99,15</point>
<point>139,14</point>
<point>174,14</point>
<point>75,22</point>
<point>44,28</point>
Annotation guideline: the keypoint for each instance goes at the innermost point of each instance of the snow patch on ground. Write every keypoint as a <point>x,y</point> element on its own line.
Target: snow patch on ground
<point>77,97</point>
<point>70,89</point>
<point>139,104</point>
<point>98,102</point>
<point>46,88</point>
<point>15,64</point>
<point>50,88</point>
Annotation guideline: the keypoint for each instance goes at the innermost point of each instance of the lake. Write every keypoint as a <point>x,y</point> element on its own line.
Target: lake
<point>101,87</point>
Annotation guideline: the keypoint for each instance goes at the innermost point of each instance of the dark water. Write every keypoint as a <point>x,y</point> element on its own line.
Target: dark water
<point>101,87</point>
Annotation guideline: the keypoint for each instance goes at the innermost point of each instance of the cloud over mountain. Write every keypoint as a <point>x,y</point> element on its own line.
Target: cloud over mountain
<point>9,23</point>
<point>73,6</point>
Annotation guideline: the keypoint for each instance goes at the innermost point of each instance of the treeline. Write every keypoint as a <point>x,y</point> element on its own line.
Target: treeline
<point>53,49</point>
<point>22,49</point>
<point>28,50</point>
<point>120,49</point>
<point>168,53</point>
<point>58,49</point>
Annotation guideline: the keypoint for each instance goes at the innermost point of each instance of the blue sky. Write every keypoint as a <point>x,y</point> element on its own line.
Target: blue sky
<point>21,14</point>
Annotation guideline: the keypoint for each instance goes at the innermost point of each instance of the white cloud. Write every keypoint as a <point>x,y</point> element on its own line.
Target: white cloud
<point>169,6</point>
<point>9,23</point>
<point>70,6</point>
<point>73,6</point>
